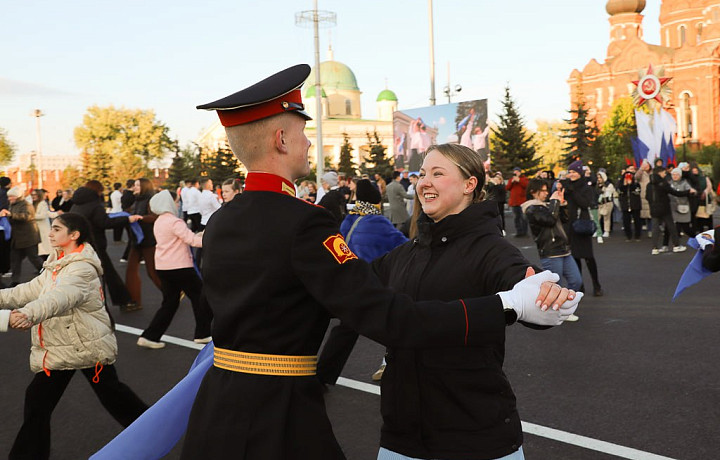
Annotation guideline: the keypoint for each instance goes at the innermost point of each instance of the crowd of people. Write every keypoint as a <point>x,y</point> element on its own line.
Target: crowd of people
<point>432,277</point>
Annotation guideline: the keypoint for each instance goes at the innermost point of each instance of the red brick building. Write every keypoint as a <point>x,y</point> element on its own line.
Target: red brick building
<point>689,53</point>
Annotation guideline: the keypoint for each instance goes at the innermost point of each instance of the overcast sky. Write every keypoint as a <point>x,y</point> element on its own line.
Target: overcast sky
<point>170,56</point>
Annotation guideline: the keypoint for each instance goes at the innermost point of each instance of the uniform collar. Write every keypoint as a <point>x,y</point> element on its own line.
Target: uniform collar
<point>266,182</point>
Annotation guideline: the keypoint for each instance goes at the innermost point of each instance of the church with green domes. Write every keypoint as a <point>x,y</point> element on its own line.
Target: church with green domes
<point>341,113</point>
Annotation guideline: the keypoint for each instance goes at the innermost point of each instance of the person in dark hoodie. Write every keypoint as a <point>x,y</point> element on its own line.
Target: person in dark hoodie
<point>657,195</point>
<point>88,202</point>
<point>580,196</point>
<point>546,223</point>
<point>145,249</point>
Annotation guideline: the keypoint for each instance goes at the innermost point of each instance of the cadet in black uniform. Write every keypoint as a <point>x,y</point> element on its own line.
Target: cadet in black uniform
<point>276,267</point>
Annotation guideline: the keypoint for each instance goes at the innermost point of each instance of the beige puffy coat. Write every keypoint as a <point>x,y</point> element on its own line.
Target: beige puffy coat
<point>72,329</point>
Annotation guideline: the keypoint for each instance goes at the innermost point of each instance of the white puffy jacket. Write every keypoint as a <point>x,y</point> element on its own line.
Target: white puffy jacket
<point>72,329</point>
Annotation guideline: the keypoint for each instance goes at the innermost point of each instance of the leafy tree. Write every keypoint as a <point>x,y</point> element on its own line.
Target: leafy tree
<point>120,142</point>
<point>618,129</point>
<point>580,135</point>
<point>222,165</point>
<point>377,162</point>
<point>549,143</point>
<point>72,177</point>
<point>185,164</point>
<point>346,165</point>
<point>710,155</point>
<point>7,148</point>
<point>512,145</point>
<point>312,175</point>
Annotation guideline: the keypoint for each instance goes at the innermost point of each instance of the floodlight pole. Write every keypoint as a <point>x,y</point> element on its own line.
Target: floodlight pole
<point>37,113</point>
<point>317,17</point>
<point>432,54</point>
<point>318,96</point>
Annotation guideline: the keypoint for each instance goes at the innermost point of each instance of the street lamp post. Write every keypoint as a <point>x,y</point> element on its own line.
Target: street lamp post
<point>37,113</point>
<point>327,18</point>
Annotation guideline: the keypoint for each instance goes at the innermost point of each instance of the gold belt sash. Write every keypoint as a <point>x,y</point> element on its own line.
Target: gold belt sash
<point>256,363</point>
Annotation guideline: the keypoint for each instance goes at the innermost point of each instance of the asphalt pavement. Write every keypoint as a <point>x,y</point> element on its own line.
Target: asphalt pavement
<point>635,377</point>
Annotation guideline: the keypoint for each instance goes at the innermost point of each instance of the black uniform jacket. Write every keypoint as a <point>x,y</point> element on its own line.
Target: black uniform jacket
<point>274,268</point>
<point>452,403</point>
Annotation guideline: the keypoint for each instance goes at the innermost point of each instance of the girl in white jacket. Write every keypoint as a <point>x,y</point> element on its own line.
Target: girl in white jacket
<point>71,330</point>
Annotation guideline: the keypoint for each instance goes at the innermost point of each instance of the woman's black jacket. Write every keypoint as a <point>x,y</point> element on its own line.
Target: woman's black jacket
<point>142,208</point>
<point>657,195</point>
<point>87,202</point>
<point>629,196</point>
<point>452,403</point>
<point>546,222</point>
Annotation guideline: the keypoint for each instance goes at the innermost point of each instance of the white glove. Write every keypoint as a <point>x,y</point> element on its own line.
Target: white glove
<point>524,294</point>
<point>4,320</point>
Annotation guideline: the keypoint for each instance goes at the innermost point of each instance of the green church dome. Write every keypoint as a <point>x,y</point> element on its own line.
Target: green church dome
<point>386,95</point>
<point>333,75</point>
<point>311,90</point>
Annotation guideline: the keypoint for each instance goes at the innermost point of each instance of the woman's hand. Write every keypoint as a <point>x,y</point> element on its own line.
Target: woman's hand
<point>538,299</point>
<point>4,213</point>
<point>19,320</point>
<point>134,218</point>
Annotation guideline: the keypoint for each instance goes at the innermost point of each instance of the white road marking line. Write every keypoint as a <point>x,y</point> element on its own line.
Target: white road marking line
<point>362,386</point>
<point>590,443</point>
<point>164,338</point>
<point>530,428</point>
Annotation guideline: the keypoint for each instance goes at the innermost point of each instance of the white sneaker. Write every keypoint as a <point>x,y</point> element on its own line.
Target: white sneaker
<point>377,376</point>
<point>600,240</point>
<point>123,261</point>
<point>207,339</point>
<point>143,342</point>
<point>664,249</point>
<point>655,251</point>
<point>572,318</point>
<point>680,248</point>
<point>606,235</point>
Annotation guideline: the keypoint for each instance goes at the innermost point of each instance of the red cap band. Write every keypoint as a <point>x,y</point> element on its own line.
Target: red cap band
<point>240,116</point>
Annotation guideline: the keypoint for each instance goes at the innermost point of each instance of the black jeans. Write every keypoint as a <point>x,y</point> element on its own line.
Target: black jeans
<point>670,231</point>
<point>4,254</point>
<point>195,221</point>
<point>16,259</point>
<point>634,216</point>
<point>43,394</point>
<point>521,223</point>
<point>173,283</point>
<point>119,293</point>
<point>117,233</point>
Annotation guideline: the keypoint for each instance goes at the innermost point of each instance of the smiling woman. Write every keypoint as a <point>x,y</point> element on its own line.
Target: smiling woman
<point>451,403</point>
<point>444,186</point>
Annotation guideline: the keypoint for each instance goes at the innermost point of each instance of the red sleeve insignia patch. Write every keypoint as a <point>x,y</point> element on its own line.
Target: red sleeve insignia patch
<point>339,249</point>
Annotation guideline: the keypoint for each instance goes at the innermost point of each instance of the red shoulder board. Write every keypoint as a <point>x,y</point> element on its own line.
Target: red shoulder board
<point>339,249</point>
